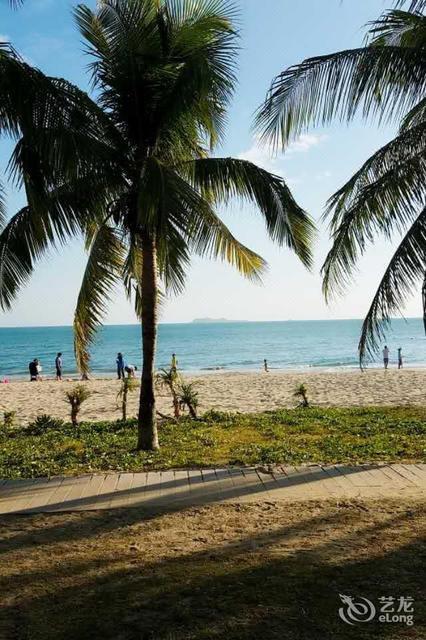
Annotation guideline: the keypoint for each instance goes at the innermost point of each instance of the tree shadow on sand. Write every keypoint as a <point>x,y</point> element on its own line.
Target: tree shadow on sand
<point>280,583</point>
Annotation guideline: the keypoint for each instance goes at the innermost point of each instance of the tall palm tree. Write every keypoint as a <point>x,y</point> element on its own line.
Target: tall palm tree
<point>164,72</point>
<point>385,79</point>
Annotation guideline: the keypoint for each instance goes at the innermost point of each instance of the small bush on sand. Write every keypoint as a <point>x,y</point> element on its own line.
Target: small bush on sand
<point>188,397</point>
<point>128,385</point>
<point>43,423</point>
<point>302,393</point>
<point>9,419</point>
<point>76,397</point>
<point>170,379</point>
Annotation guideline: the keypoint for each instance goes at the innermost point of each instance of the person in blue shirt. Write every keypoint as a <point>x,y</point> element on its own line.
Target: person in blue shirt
<point>120,366</point>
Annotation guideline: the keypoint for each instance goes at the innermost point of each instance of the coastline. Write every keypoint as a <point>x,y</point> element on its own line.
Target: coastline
<point>227,391</point>
<point>203,349</point>
<point>228,371</point>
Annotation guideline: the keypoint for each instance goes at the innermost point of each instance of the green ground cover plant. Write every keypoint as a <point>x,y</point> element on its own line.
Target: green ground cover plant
<point>287,436</point>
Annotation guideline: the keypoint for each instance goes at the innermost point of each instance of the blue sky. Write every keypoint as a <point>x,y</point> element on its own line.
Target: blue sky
<point>274,35</point>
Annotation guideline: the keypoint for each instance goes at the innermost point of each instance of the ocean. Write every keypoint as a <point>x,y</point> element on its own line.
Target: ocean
<point>209,347</point>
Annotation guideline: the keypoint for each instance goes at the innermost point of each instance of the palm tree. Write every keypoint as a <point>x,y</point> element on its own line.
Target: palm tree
<point>164,72</point>
<point>385,79</point>
<point>128,385</point>
<point>302,393</point>
<point>170,378</point>
<point>76,396</point>
<point>188,397</point>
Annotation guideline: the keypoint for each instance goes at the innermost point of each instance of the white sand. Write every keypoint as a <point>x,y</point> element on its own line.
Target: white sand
<point>244,392</point>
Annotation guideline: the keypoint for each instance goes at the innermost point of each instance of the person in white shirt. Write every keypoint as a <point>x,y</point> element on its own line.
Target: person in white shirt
<point>130,370</point>
<point>386,356</point>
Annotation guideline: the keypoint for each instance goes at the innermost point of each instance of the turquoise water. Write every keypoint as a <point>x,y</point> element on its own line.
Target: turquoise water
<point>214,346</point>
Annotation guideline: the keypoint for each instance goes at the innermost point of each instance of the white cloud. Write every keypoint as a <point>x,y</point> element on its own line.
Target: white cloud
<point>264,157</point>
<point>323,175</point>
<point>260,155</point>
<point>305,142</point>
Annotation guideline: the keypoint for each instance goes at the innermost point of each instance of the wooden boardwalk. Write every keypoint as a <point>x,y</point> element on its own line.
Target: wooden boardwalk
<point>176,489</point>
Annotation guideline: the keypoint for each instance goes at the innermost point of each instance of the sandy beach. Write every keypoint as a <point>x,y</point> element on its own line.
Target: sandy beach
<point>244,392</point>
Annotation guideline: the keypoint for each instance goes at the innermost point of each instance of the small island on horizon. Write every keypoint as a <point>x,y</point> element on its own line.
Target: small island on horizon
<point>212,320</point>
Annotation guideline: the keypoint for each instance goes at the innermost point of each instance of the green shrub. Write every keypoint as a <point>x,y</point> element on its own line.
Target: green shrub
<point>170,379</point>
<point>213,415</point>
<point>43,423</point>
<point>76,397</point>
<point>188,397</point>
<point>9,419</point>
<point>128,385</point>
<point>302,393</point>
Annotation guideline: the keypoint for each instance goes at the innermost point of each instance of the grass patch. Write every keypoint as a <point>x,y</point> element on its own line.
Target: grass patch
<point>286,436</point>
<point>225,571</point>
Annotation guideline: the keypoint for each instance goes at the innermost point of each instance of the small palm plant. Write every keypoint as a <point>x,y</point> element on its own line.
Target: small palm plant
<point>170,379</point>
<point>127,386</point>
<point>76,397</point>
<point>302,393</point>
<point>188,397</point>
<point>9,418</point>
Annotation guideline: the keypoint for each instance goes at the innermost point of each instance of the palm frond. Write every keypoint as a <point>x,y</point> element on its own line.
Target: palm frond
<point>377,81</point>
<point>226,178</point>
<point>415,116</point>
<point>398,29</point>
<point>167,60</point>
<point>3,212</point>
<point>23,240</point>
<point>210,237</point>
<point>132,275</point>
<point>103,271</point>
<point>51,219</point>
<point>186,220</point>
<point>424,302</point>
<point>381,198</point>
<point>411,5</point>
<point>406,268</point>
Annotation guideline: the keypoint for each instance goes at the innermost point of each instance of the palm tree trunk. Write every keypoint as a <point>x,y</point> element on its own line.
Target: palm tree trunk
<point>424,302</point>
<point>175,401</point>
<point>124,405</point>
<point>147,422</point>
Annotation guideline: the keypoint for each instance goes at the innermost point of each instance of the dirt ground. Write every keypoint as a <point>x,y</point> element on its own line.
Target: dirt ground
<point>266,570</point>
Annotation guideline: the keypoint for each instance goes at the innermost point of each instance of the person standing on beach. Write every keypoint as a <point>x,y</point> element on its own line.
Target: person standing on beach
<point>265,365</point>
<point>400,363</point>
<point>120,366</point>
<point>33,370</point>
<point>386,356</point>
<point>174,363</point>
<point>58,366</point>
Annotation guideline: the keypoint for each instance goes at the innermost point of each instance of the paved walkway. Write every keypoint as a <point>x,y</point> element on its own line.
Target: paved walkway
<point>175,489</point>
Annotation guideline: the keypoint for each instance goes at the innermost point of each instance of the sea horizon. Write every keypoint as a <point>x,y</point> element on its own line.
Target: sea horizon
<point>213,347</point>
<point>205,321</point>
